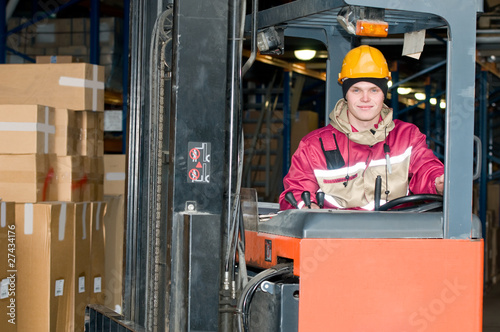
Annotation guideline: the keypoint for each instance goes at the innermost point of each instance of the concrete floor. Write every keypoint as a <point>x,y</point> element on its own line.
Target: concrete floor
<point>491,309</point>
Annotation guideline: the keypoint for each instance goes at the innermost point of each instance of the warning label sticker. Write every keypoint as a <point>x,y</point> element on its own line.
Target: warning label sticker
<point>198,162</point>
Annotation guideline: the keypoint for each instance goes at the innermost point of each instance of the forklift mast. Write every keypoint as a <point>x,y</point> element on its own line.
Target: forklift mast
<point>185,152</point>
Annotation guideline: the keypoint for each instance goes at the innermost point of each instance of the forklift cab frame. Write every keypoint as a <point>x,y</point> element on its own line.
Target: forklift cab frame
<point>392,271</point>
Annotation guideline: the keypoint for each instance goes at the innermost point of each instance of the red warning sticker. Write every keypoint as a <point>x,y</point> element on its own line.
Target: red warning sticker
<point>198,162</point>
<point>194,174</point>
<point>194,154</point>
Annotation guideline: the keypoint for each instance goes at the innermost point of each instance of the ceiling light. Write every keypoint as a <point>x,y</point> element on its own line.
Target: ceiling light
<point>304,55</point>
<point>442,104</point>
<point>403,91</point>
<point>389,84</point>
<point>420,96</point>
<point>433,101</point>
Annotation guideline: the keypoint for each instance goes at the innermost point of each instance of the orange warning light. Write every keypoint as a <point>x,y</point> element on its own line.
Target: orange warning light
<point>372,28</point>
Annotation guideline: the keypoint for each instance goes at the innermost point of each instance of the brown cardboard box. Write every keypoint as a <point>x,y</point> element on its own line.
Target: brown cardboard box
<point>8,276</point>
<point>303,124</point>
<point>115,234</point>
<point>97,247</point>
<point>77,86</point>
<point>26,178</point>
<point>114,174</point>
<point>81,272</point>
<point>70,178</point>
<point>44,266</point>
<point>493,201</point>
<point>67,134</point>
<point>26,129</point>
<point>91,139</point>
<point>55,59</point>
<point>94,168</point>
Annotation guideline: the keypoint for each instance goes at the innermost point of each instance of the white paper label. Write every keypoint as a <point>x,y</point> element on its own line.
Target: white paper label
<point>97,284</point>
<point>81,284</point>
<point>4,289</point>
<point>3,218</point>
<point>84,217</point>
<point>59,287</point>
<point>28,218</point>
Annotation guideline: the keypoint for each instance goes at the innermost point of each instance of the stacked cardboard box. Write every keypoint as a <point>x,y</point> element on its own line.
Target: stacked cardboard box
<point>51,166</point>
<point>491,229</point>
<point>69,37</point>
<point>114,196</point>
<point>8,277</point>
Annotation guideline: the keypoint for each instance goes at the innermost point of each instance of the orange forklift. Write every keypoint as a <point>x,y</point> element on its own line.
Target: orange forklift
<point>396,268</point>
<point>205,254</point>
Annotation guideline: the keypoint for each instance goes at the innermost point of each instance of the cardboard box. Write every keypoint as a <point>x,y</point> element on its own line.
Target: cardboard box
<point>67,132</point>
<point>70,178</point>
<point>8,277</point>
<point>76,86</point>
<point>493,201</point>
<point>26,178</point>
<point>94,168</point>
<point>91,138</point>
<point>55,59</point>
<point>115,235</point>
<point>81,268</point>
<point>97,247</point>
<point>44,234</point>
<point>303,124</point>
<point>26,129</point>
<point>114,174</point>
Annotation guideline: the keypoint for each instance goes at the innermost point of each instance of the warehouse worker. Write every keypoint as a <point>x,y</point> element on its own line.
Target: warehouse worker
<point>343,159</point>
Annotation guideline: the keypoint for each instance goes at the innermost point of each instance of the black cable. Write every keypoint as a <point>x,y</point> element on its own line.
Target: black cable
<point>242,228</point>
<point>243,306</point>
<point>388,150</point>
<point>348,161</point>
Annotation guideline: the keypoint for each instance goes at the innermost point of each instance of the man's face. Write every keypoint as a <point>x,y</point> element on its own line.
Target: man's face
<point>364,102</point>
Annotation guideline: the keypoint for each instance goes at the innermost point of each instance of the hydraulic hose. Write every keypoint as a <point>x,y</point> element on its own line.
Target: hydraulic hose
<point>243,306</point>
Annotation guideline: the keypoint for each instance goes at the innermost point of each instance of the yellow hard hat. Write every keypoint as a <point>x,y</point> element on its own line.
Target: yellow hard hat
<point>364,61</point>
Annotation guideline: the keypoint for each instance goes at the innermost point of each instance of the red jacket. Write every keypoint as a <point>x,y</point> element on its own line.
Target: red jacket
<point>350,181</point>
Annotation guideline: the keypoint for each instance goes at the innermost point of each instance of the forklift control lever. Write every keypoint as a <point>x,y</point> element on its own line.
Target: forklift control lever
<point>291,199</point>
<point>320,198</point>
<point>306,197</point>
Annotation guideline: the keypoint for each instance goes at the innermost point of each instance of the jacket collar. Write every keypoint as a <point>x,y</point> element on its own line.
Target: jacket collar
<point>340,121</point>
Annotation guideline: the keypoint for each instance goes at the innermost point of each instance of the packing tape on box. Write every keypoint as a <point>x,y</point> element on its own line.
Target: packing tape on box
<point>62,221</point>
<point>115,176</point>
<point>93,84</point>
<point>44,128</point>
<point>3,215</point>
<point>28,218</point>
<point>84,226</point>
<point>98,217</point>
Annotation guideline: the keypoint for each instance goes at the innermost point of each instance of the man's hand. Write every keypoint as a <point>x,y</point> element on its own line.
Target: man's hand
<point>313,206</point>
<point>439,182</point>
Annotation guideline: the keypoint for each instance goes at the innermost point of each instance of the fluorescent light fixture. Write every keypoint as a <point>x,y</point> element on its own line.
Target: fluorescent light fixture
<point>420,96</point>
<point>304,55</point>
<point>403,91</point>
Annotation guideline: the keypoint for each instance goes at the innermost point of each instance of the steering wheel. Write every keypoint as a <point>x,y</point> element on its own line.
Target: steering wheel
<point>424,202</point>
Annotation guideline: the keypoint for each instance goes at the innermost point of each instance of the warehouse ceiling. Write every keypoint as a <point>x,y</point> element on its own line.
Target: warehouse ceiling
<point>488,48</point>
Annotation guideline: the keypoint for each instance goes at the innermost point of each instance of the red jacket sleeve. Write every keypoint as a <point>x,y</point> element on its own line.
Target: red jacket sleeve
<point>425,167</point>
<point>301,176</point>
